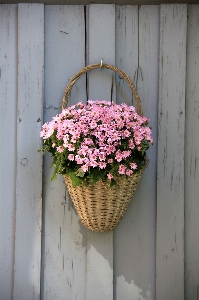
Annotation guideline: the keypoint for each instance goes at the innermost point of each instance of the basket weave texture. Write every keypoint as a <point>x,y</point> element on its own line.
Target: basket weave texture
<point>99,206</point>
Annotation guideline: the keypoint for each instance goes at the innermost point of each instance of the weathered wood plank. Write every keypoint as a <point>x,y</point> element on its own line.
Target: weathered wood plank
<point>64,257</point>
<point>134,238</point>
<point>192,157</point>
<point>101,45</point>
<point>171,126</point>
<point>29,162</point>
<point>126,49</point>
<point>8,100</point>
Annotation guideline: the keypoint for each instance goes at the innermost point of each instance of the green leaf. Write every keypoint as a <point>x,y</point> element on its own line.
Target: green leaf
<point>55,173</point>
<point>114,169</point>
<point>79,173</point>
<point>75,180</point>
<point>96,175</point>
<point>113,182</point>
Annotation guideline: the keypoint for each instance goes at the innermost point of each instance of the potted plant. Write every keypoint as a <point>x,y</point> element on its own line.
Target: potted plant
<point>100,148</point>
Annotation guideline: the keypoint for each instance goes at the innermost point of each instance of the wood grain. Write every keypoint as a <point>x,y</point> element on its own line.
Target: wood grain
<point>64,237</point>
<point>101,46</point>
<point>191,157</point>
<point>77,263</point>
<point>126,49</point>
<point>134,238</point>
<point>29,162</point>
<point>8,101</point>
<point>171,126</point>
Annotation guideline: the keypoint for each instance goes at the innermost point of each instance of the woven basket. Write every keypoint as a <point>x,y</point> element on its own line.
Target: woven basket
<point>99,207</point>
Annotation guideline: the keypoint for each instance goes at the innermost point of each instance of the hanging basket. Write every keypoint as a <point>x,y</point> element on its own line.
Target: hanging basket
<point>99,206</point>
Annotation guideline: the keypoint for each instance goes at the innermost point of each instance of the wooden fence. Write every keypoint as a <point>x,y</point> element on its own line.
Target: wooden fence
<point>45,252</point>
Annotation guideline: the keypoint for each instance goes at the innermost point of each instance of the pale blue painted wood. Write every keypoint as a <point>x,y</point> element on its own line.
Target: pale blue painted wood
<point>8,101</point>
<point>134,238</point>
<point>64,237</point>
<point>79,264</point>
<point>171,126</point>
<point>29,162</point>
<point>126,49</point>
<point>192,157</point>
<point>101,46</point>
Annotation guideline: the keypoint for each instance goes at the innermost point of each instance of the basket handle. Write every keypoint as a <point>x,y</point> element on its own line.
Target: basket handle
<point>102,65</point>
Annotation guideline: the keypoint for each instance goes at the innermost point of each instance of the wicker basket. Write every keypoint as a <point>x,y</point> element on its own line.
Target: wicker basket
<point>99,207</point>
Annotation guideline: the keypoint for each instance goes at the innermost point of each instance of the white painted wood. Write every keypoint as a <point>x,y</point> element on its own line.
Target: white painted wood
<point>78,264</point>
<point>101,45</point>
<point>170,181</point>
<point>8,93</point>
<point>64,237</point>
<point>29,162</point>
<point>126,49</point>
<point>191,157</point>
<point>99,284</point>
<point>134,238</point>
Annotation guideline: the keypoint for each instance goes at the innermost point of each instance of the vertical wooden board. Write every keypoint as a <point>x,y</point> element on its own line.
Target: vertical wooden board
<point>29,162</point>
<point>192,157</point>
<point>171,126</point>
<point>126,49</point>
<point>8,100</point>
<point>99,281</point>
<point>64,237</point>
<point>101,45</point>
<point>134,238</point>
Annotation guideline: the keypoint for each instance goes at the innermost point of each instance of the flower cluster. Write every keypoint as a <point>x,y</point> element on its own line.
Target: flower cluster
<point>100,140</point>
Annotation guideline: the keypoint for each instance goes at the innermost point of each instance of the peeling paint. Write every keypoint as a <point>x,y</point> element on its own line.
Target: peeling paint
<point>132,291</point>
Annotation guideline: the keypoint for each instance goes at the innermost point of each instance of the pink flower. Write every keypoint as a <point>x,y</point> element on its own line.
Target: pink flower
<point>110,161</point>
<point>72,130</point>
<point>102,156</point>
<point>88,141</point>
<point>129,172</point>
<point>102,165</point>
<point>126,133</point>
<point>71,147</point>
<point>84,150</point>
<point>60,149</point>
<point>118,156</point>
<point>121,169</point>
<point>71,157</point>
<point>85,168</point>
<point>93,163</point>
<point>133,165</point>
<point>131,144</point>
<point>110,176</point>
<point>80,104</point>
<point>99,134</point>
<point>93,124</point>
<point>126,153</point>
<point>78,159</point>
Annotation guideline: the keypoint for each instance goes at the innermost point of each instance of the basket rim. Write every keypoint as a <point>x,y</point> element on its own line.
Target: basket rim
<point>120,177</point>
